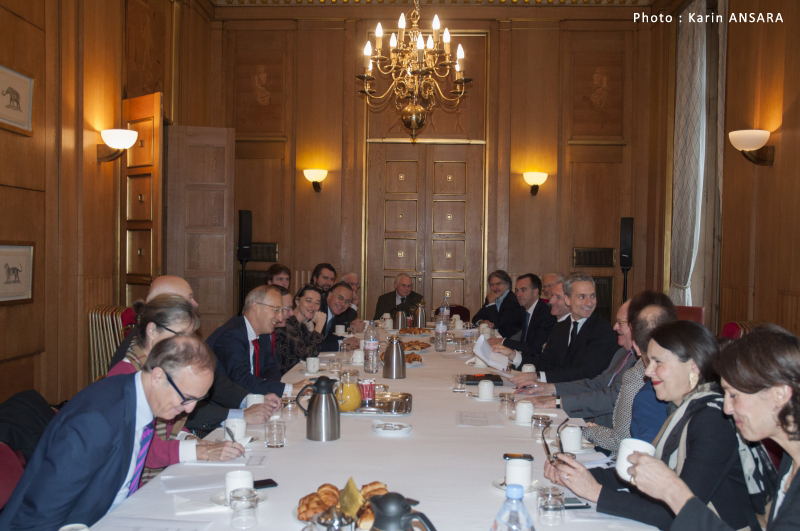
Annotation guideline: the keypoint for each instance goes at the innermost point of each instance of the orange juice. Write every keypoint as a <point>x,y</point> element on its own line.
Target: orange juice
<point>348,394</point>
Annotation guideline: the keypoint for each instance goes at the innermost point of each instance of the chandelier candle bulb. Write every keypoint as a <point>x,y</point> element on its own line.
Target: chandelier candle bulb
<point>378,38</point>
<point>436,29</point>
<point>429,44</point>
<point>401,25</point>
<point>446,40</point>
<point>367,54</point>
<point>420,51</point>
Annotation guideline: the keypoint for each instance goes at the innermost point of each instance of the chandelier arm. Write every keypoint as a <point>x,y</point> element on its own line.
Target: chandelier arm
<point>384,95</point>
<point>444,98</point>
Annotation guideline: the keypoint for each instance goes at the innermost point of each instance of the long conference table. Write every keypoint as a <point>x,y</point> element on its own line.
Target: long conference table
<point>448,468</point>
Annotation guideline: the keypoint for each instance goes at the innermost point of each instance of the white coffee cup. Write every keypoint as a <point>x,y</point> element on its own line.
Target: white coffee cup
<point>483,328</point>
<point>477,362</point>
<point>388,324</point>
<point>361,343</point>
<point>485,389</point>
<point>572,438</point>
<point>457,317</point>
<point>312,364</point>
<point>626,448</point>
<point>459,325</point>
<point>238,479</point>
<point>528,367</point>
<point>74,527</point>
<point>523,412</point>
<point>518,472</point>
<point>252,400</point>
<point>340,330</point>
<point>238,427</point>
<point>358,356</point>
<point>386,316</point>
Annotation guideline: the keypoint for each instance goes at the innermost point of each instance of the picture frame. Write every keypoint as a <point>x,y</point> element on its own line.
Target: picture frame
<point>16,101</point>
<point>16,272</point>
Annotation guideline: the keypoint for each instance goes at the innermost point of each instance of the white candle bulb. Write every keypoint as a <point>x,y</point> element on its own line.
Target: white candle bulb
<point>436,28</point>
<point>446,40</point>
<point>402,22</point>
<point>393,41</point>
<point>420,43</point>
<point>367,53</point>
<point>460,52</point>
<point>379,30</point>
<point>429,44</point>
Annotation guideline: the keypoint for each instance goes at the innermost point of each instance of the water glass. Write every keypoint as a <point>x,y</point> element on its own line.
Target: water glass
<point>275,434</point>
<point>289,410</point>
<point>506,404</point>
<point>459,383</point>
<point>335,365</point>
<point>244,505</point>
<point>550,506</point>
<point>461,345</point>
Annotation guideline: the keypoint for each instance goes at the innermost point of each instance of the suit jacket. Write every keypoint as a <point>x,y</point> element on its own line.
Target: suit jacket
<point>539,327</point>
<point>81,461</point>
<point>209,413</point>
<point>122,349</point>
<point>388,302</point>
<point>593,397</point>
<point>586,357</point>
<point>696,516</point>
<point>229,342</point>
<point>331,341</point>
<point>508,321</point>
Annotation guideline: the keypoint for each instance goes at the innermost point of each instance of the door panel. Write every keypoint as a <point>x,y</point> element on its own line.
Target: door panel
<point>425,206</point>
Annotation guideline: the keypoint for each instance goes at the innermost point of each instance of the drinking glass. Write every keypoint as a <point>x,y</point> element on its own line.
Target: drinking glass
<point>506,403</point>
<point>244,505</point>
<point>551,506</point>
<point>335,365</point>
<point>289,410</point>
<point>461,346</point>
<point>459,383</point>
<point>275,434</point>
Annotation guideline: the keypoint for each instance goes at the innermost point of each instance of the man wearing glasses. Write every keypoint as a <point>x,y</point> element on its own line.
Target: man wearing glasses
<point>91,456</point>
<point>244,346</point>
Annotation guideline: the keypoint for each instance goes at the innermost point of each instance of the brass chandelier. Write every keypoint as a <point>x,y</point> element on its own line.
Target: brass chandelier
<point>417,66</point>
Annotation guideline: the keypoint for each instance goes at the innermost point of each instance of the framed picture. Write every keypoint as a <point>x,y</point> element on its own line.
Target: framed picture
<point>16,101</point>
<point>16,272</point>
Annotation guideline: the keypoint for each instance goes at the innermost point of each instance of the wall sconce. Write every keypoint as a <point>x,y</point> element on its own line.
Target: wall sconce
<point>116,142</point>
<point>534,179</point>
<point>316,177</point>
<point>751,143</point>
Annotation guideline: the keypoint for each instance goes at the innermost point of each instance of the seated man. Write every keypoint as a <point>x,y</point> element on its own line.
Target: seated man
<point>548,281</point>
<point>339,313</point>
<point>244,347</point>
<point>501,309</point>
<point>352,280</point>
<point>402,297</point>
<point>323,277</point>
<point>539,322</point>
<point>90,457</point>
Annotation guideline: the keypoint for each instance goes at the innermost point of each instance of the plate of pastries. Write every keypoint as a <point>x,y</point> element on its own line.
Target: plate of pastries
<point>414,331</point>
<point>415,346</point>
<point>327,495</point>
<point>412,358</point>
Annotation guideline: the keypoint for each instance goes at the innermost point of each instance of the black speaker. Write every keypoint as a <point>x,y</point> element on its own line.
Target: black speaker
<point>245,234</point>
<point>626,243</point>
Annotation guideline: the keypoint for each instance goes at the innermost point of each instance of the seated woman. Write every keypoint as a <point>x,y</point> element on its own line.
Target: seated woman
<point>164,316</point>
<point>302,335</point>
<point>760,375</point>
<point>697,440</point>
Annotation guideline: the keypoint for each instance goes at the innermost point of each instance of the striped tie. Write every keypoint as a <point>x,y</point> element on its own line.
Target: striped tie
<point>147,436</point>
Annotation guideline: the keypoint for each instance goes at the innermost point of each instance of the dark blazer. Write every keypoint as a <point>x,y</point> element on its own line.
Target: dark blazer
<point>539,328</point>
<point>229,343</point>
<point>712,470</point>
<point>586,357</point>
<point>696,516</point>
<point>122,349</point>
<point>508,321</point>
<point>81,461</point>
<point>209,413</point>
<point>388,302</point>
<point>331,341</point>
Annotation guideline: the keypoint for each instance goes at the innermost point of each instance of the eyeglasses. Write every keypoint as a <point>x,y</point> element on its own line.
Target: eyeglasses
<point>286,309</point>
<point>340,298</point>
<point>168,329</point>
<point>185,400</point>
<point>278,309</point>
<point>621,322</point>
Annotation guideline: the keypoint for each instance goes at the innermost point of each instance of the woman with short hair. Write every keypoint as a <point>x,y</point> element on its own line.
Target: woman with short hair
<point>302,335</point>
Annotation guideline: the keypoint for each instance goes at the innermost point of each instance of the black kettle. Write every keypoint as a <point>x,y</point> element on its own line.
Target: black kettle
<point>393,513</point>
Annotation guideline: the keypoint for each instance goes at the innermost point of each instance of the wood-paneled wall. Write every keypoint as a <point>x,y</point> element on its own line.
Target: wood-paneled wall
<point>760,220</point>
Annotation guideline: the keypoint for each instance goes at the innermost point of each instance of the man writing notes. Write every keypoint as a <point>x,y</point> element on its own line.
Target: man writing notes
<point>539,322</point>
<point>91,456</point>
<point>402,297</point>
<point>501,309</point>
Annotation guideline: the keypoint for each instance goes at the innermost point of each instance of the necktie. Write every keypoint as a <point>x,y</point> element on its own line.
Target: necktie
<point>147,437</point>
<point>527,320</point>
<point>621,365</point>
<point>403,302</point>
<point>256,361</point>
<point>574,335</point>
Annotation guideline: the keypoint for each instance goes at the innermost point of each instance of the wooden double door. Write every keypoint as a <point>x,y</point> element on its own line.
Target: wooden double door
<point>424,218</point>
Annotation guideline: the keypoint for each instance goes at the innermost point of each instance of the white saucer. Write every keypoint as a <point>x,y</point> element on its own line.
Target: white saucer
<point>513,418</point>
<point>479,399</point>
<point>498,485</point>
<point>415,365</point>
<point>390,429</point>
<point>219,498</point>
<point>318,373</point>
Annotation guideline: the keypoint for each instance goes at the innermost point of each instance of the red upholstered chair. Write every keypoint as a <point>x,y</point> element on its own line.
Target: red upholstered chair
<point>10,472</point>
<point>462,311</point>
<point>736,329</point>
<point>692,313</point>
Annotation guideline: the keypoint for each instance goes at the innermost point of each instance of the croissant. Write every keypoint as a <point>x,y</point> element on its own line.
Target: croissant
<point>329,494</point>
<point>309,506</point>
<point>376,488</point>
<point>413,357</point>
<point>366,518</point>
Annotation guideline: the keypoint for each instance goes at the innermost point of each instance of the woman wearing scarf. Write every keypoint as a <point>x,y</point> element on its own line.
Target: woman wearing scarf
<point>165,316</point>
<point>697,441</point>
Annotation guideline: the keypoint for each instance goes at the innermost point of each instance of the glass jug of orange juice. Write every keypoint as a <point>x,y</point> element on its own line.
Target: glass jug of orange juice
<point>348,394</point>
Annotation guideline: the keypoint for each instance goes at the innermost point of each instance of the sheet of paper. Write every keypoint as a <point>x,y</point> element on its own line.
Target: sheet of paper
<point>174,484</point>
<point>118,523</point>
<point>245,460</point>
<point>492,359</point>
<point>479,418</point>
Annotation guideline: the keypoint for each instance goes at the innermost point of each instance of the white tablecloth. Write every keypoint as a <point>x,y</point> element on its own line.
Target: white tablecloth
<point>449,469</point>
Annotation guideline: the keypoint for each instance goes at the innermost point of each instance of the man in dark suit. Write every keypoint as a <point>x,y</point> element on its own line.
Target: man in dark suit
<point>323,277</point>
<point>581,346</point>
<point>501,308</point>
<point>90,457</point>
<point>527,344</point>
<point>244,345</point>
<point>339,313</point>
<point>226,399</point>
<point>402,297</point>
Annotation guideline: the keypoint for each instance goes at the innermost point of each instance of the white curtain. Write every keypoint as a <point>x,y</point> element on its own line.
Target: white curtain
<point>689,151</point>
